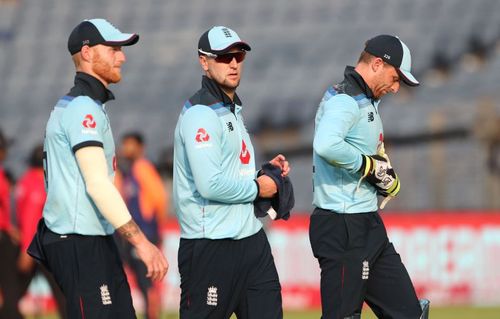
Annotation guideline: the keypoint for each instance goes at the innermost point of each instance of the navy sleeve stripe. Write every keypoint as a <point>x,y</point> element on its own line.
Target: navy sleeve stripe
<point>85,144</point>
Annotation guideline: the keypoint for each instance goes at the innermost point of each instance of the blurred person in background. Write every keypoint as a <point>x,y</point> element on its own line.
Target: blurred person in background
<point>30,197</point>
<point>142,189</point>
<point>9,244</point>
<point>83,208</point>
<point>225,260</point>
<point>348,237</point>
<point>165,165</point>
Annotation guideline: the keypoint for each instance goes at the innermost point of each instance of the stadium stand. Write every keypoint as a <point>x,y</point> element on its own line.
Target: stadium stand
<point>298,49</point>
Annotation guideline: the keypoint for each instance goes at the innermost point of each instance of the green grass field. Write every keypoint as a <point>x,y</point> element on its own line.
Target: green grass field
<point>436,313</point>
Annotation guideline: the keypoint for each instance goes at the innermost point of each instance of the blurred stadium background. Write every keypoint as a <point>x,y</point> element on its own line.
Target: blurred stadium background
<point>443,137</point>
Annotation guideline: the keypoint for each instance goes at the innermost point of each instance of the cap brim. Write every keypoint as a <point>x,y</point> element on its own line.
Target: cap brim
<point>122,39</point>
<point>241,44</point>
<point>408,78</point>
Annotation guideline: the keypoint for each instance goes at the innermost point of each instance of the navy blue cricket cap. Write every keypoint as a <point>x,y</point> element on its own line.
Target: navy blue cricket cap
<point>220,40</point>
<point>98,31</point>
<point>394,52</point>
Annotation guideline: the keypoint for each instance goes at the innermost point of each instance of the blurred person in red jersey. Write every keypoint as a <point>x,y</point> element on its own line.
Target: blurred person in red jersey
<point>144,193</point>
<point>30,197</point>
<point>8,244</point>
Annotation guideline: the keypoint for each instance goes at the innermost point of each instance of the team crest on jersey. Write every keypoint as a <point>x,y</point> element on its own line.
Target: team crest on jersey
<point>105,296</point>
<point>380,144</point>
<point>244,154</point>
<point>366,270</point>
<point>202,136</point>
<point>88,121</point>
<point>212,296</point>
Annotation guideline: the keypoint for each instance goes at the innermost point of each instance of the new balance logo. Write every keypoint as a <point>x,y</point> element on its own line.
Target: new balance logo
<point>371,117</point>
<point>212,296</point>
<point>366,270</point>
<point>105,296</point>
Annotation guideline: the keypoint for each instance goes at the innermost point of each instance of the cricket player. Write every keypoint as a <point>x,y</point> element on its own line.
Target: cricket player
<point>83,208</point>
<point>358,262</point>
<point>225,260</point>
<point>144,194</point>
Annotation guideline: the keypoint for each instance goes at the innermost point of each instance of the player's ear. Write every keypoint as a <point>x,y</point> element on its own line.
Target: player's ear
<point>203,62</point>
<point>376,64</point>
<point>86,53</point>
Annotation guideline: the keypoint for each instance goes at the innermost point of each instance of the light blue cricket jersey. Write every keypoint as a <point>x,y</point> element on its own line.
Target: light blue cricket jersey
<point>214,168</point>
<point>75,122</point>
<point>347,125</point>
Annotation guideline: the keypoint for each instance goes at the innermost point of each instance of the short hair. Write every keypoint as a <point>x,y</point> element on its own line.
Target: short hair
<point>365,57</point>
<point>136,136</point>
<point>76,59</point>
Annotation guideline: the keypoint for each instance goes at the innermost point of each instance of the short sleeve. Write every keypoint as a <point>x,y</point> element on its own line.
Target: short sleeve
<point>84,122</point>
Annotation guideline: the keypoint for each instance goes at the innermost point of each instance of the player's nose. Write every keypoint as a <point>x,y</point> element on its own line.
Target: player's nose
<point>395,87</point>
<point>233,64</point>
<point>120,56</point>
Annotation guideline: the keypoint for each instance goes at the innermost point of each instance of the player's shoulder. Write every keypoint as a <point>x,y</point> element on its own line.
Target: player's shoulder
<point>346,89</point>
<point>336,98</point>
<point>83,101</point>
<point>202,104</point>
<point>143,164</point>
<point>203,97</point>
<point>83,105</point>
<point>82,109</point>
<point>143,168</point>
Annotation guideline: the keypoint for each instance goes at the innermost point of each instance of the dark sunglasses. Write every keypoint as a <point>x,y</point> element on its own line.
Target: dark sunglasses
<point>227,57</point>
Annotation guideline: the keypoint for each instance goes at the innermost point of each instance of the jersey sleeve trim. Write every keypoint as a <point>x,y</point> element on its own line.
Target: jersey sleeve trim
<point>85,144</point>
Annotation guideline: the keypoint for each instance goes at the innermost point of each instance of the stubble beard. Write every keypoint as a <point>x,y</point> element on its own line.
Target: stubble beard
<point>105,70</point>
<point>229,86</point>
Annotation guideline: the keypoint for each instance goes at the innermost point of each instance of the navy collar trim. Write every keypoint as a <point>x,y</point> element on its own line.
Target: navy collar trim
<point>355,78</point>
<point>86,84</point>
<point>217,92</point>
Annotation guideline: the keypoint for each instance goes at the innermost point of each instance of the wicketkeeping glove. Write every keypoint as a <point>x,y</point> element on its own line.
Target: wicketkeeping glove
<point>377,170</point>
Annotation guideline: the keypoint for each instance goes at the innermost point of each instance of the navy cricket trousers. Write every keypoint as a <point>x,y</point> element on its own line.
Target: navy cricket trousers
<point>358,263</point>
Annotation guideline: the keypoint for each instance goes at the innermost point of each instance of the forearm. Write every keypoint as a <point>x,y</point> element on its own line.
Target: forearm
<point>338,152</point>
<point>332,128</point>
<point>104,194</point>
<point>223,189</point>
<point>132,233</point>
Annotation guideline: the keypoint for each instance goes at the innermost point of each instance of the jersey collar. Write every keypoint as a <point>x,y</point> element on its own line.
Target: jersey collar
<point>217,92</point>
<point>86,84</point>
<point>356,79</point>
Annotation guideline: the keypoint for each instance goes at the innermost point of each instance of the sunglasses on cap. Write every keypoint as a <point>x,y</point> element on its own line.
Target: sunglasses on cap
<point>225,58</point>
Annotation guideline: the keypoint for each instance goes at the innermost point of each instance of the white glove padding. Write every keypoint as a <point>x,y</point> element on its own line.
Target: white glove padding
<point>378,171</point>
<point>100,188</point>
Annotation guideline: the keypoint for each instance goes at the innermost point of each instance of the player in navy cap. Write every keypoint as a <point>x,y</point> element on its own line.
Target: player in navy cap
<point>83,208</point>
<point>225,260</point>
<point>351,170</point>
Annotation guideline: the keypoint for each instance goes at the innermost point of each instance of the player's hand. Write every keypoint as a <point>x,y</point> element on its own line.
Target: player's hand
<point>377,171</point>
<point>281,162</point>
<point>267,187</point>
<point>153,258</point>
<point>14,235</point>
<point>25,263</point>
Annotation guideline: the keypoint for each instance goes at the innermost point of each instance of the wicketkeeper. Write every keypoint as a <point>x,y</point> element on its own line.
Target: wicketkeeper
<point>351,169</point>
